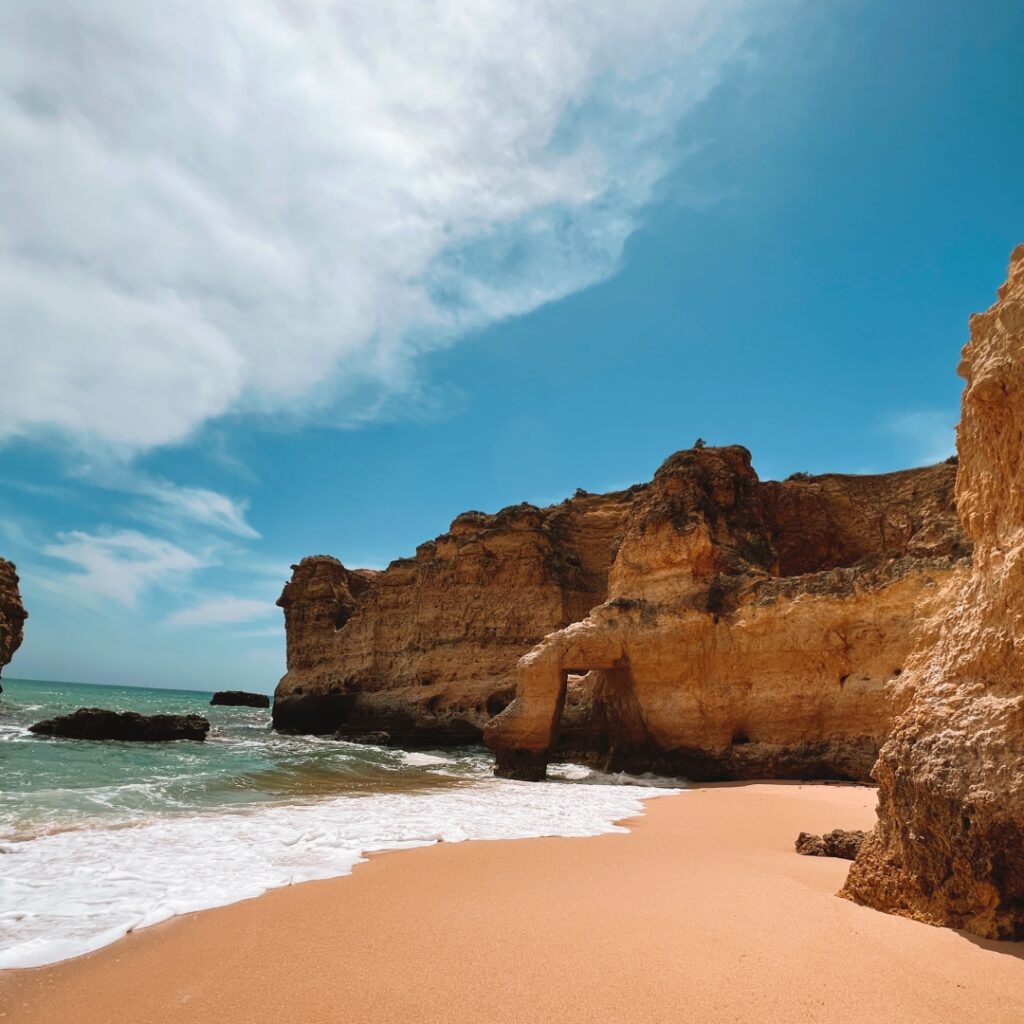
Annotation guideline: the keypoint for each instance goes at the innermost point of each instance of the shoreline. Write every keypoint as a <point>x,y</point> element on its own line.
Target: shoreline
<point>702,912</point>
<point>75,891</point>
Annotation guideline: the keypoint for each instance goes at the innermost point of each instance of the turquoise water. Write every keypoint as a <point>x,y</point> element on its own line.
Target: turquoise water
<point>47,784</point>
<point>100,838</point>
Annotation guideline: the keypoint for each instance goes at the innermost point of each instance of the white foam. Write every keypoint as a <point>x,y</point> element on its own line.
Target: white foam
<point>569,771</point>
<point>417,759</point>
<point>67,894</point>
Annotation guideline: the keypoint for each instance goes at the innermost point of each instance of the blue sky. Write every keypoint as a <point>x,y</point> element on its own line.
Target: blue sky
<point>282,279</point>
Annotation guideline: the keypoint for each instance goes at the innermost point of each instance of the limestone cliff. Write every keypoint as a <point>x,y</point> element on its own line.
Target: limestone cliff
<point>949,844</point>
<point>12,613</point>
<point>752,629</point>
<point>737,628</point>
<point>425,650</point>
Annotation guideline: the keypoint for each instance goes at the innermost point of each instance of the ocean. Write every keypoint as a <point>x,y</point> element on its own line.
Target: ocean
<point>100,838</point>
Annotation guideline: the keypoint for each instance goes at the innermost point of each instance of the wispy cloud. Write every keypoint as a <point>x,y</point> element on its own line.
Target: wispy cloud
<point>121,564</point>
<point>223,611</point>
<point>179,508</point>
<point>930,435</point>
<point>266,633</point>
<point>169,504</point>
<point>219,206</point>
<point>186,530</point>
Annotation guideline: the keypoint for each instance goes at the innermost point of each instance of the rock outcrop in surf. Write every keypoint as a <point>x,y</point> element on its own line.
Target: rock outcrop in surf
<point>129,726</point>
<point>240,698</point>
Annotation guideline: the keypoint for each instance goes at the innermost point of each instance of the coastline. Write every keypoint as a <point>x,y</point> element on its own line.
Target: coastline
<point>701,912</point>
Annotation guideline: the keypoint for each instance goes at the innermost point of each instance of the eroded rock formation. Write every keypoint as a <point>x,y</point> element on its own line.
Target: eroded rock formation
<point>706,624</point>
<point>101,724</point>
<point>424,652</point>
<point>949,845</point>
<point>837,843</point>
<point>12,613</point>
<point>752,629</point>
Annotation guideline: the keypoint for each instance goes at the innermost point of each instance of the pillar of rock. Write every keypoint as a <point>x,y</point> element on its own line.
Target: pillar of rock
<point>949,845</point>
<point>12,613</point>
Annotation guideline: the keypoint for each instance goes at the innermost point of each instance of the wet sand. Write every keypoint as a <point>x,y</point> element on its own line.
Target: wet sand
<point>702,913</point>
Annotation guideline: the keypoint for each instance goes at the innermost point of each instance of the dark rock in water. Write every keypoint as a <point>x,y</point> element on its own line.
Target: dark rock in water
<point>338,715</point>
<point>370,739</point>
<point>99,724</point>
<point>240,698</point>
<point>838,843</point>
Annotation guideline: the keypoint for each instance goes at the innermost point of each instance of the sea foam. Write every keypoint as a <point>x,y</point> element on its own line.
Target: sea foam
<point>69,893</point>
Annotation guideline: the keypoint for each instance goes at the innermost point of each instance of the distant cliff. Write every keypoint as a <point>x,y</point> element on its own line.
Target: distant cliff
<point>12,613</point>
<point>425,650</point>
<point>705,623</point>
<point>949,844</point>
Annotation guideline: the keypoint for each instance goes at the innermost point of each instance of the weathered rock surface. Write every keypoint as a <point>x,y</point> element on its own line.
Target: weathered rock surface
<point>837,843</point>
<point>736,628</point>
<point>751,630</point>
<point>240,698</point>
<point>949,845</point>
<point>425,651</point>
<point>12,613</point>
<point>100,724</point>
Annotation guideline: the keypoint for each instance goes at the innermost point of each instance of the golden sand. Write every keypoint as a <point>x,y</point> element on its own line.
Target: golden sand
<point>702,913</point>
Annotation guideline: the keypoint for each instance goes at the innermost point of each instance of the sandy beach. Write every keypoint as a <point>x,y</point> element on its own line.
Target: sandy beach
<point>701,913</point>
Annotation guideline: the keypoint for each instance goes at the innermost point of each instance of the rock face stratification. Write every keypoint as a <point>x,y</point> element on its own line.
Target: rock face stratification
<point>949,844</point>
<point>707,624</point>
<point>752,629</point>
<point>12,613</point>
<point>425,651</point>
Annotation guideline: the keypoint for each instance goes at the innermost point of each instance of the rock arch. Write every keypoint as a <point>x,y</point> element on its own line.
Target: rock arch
<point>752,628</point>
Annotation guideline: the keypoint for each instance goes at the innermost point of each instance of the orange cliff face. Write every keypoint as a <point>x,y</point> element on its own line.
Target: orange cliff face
<point>12,613</point>
<point>752,630</point>
<point>949,845</point>
<point>706,624</point>
<point>425,650</point>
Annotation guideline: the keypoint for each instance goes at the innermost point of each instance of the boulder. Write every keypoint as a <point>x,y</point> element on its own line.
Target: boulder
<point>369,739</point>
<point>838,843</point>
<point>241,698</point>
<point>100,724</point>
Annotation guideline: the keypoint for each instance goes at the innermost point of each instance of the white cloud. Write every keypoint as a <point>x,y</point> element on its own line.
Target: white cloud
<point>216,206</point>
<point>170,504</point>
<point>928,433</point>
<point>221,611</point>
<point>121,564</point>
<point>174,507</point>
